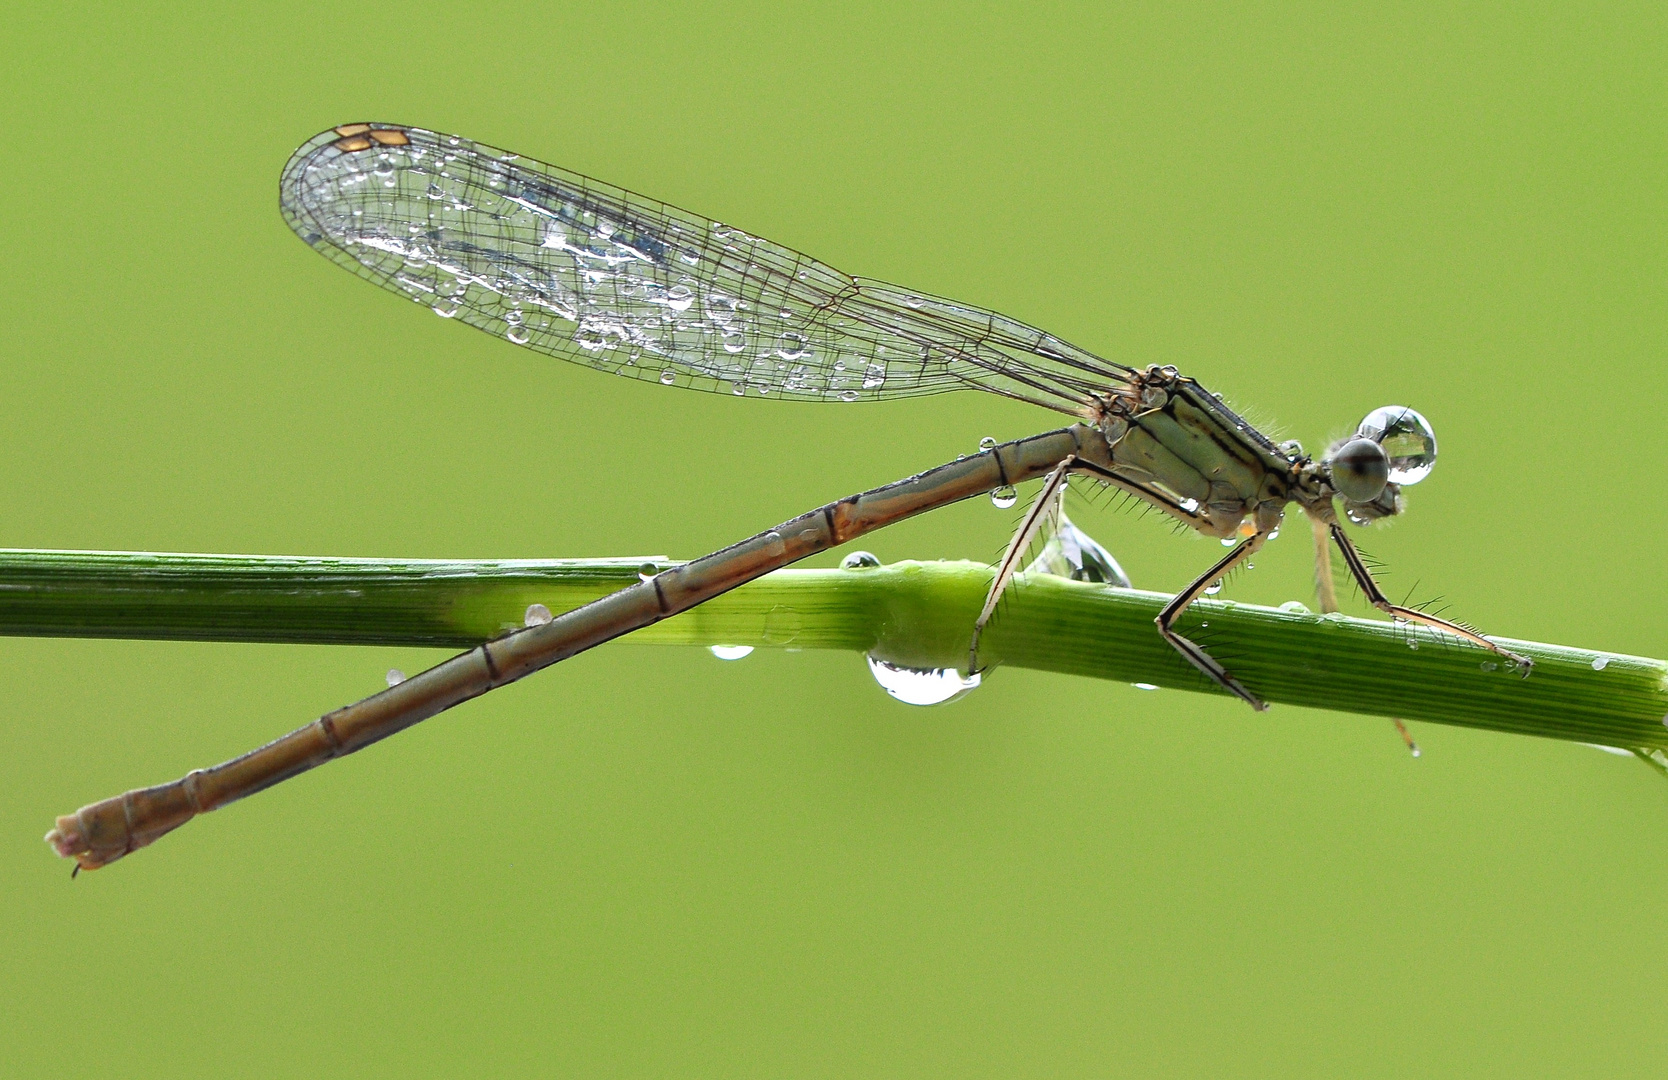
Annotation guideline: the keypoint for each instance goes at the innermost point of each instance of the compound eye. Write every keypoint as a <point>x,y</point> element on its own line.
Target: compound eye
<point>1360,469</point>
<point>1407,439</point>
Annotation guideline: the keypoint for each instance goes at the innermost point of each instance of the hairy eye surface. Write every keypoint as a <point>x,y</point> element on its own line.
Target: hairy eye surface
<point>1408,441</point>
<point>1360,469</point>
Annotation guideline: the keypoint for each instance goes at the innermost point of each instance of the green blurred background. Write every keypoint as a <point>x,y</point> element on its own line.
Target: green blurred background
<point>648,862</point>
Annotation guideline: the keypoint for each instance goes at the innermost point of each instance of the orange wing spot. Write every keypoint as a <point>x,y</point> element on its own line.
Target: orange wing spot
<point>390,137</point>
<point>352,143</point>
<point>353,129</point>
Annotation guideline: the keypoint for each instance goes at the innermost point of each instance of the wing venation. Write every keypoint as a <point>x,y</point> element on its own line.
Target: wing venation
<point>574,268</point>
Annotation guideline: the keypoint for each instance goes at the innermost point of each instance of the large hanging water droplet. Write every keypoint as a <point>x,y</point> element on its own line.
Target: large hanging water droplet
<point>1214,587</point>
<point>536,615</point>
<point>730,652</point>
<point>1072,553</point>
<point>1003,498</point>
<point>859,560</point>
<point>1407,439</point>
<point>922,686</point>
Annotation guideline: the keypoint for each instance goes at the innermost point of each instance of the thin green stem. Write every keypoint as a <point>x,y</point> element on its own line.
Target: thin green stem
<point>910,613</point>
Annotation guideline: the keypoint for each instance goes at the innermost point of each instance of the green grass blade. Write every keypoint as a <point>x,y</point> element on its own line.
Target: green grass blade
<point>910,613</point>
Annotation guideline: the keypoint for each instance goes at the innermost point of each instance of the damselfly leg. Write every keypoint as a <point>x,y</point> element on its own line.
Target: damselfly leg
<point>1043,515</point>
<point>1375,596</point>
<point>1195,654</point>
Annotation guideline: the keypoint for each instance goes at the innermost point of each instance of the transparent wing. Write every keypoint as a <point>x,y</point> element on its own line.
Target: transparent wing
<point>574,268</point>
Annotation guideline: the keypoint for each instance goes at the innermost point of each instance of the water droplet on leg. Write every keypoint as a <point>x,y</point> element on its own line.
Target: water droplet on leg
<point>536,615</point>
<point>1004,497</point>
<point>395,676</point>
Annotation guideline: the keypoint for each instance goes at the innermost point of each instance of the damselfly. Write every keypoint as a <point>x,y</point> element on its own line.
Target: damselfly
<point>565,265</point>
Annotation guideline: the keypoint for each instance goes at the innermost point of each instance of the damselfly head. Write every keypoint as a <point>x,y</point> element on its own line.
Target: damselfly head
<point>1392,447</point>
